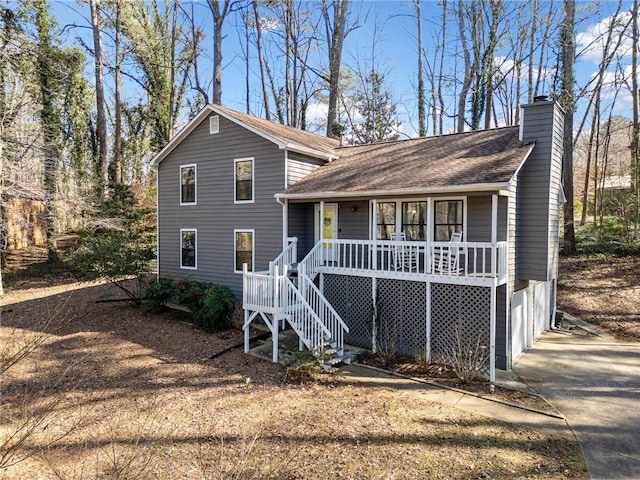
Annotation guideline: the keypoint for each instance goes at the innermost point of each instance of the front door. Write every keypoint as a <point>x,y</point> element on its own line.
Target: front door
<point>327,228</point>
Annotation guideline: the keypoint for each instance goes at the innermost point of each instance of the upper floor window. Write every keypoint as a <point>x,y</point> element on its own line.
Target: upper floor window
<point>188,248</point>
<point>243,180</point>
<point>448,218</point>
<point>187,184</point>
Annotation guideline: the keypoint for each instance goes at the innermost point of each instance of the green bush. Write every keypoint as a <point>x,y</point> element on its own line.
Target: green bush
<point>158,292</point>
<point>211,306</point>
<point>610,237</point>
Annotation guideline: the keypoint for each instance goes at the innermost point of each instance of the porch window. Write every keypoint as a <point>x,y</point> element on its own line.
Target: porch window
<point>243,249</point>
<point>188,248</point>
<point>187,185</point>
<point>386,220</point>
<point>414,220</point>
<point>243,180</point>
<point>448,219</point>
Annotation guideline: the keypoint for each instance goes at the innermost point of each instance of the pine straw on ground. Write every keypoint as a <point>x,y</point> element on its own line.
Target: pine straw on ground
<point>604,291</point>
<point>117,392</point>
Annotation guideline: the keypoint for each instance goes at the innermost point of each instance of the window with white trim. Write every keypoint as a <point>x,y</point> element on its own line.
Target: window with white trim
<point>414,220</point>
<point>188,248</point>
<point>448,218</point>
<point>386,220</point>
<point>243,249</point>
<point>188,184</point>
<point>243,180</point>
<point>214,124</point>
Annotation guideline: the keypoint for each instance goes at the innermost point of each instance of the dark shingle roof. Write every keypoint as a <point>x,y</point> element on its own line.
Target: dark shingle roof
<point>284,134</point>
<point>472,158</point>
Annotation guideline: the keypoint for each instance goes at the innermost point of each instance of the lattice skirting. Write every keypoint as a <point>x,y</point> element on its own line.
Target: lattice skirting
<point>460,323</point>
<point>352,299</point>
<point>460,316</point>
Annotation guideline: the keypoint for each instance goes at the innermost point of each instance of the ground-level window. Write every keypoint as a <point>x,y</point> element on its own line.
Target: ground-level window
<point>188,248</point>
<point>448,218</point>
<point>243,249</point>
<point>414,220</point>
<point>386,220</point>
<point>243,180</point>
<point>187,184</point>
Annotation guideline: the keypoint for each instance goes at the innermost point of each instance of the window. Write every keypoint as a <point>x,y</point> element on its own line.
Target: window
<point>188,247</point>
<point>386,220</point>
<point>243,180</point>
<point>214,124</point>
<point>448,219</point>
<point>187,185</point>
<point>414,220</point>
<point>244,249</point>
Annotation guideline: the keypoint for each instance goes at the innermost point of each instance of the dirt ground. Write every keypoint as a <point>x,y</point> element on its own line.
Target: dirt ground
<point>604,291</point>
<point>113,391</point>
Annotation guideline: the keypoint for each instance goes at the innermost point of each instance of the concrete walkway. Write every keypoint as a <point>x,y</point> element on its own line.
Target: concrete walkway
<point>594,380</point>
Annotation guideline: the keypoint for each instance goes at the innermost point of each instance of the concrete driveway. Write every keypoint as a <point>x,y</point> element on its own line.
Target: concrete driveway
<point>594,380</point>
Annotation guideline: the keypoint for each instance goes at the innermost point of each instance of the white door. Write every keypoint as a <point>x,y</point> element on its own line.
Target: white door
<point>327,228</point>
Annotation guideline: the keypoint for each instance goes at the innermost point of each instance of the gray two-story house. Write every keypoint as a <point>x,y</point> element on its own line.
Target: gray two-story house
<point>409,245</point>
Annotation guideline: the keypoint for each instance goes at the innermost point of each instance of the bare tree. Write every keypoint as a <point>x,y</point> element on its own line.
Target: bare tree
<point>101,127</point>
<point>335,39</point>
<point>635,135</point>
<point>219,10</point>
<point>422,129</point>
<point>567,100</point>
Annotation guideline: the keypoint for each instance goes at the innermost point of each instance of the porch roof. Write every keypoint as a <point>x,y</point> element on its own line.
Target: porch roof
<point>478,160</point>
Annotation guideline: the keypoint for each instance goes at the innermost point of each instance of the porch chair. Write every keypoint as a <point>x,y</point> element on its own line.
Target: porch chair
<point>446,260</point>
<point>403,256</point>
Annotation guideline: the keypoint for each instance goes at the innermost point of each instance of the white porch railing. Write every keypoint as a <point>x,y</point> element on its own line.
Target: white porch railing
<point>288,256</point>
<point>472,260</point>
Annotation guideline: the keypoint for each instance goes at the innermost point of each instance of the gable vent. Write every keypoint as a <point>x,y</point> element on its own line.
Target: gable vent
<point>214,124</point>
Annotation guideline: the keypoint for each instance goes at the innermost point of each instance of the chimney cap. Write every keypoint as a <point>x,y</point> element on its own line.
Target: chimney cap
<point>540,98</point>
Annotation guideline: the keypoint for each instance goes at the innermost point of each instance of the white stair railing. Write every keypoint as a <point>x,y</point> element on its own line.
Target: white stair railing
<point>288,256</point>
<point>321,306</point>
<point>303,318</point>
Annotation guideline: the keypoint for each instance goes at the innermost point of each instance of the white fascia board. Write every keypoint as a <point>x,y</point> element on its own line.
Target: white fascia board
<point>479,187</point>
<point>310,151</point>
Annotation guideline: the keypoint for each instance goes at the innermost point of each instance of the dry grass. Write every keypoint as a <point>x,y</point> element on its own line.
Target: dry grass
<point>133,395</point>
<point>603,290</point>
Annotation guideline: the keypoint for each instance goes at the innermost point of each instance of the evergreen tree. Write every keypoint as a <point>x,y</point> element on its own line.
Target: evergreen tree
<point>380,118</point>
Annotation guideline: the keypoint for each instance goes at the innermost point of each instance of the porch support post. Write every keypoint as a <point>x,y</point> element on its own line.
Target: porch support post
<point>492,335</point>
<point>429,239</point>
<point>428,320</point>
<point>374,324</point>
<point>494,234</point>
<point>246,331</point>
<point>321,232</point>
<point>285,224</point>
<point>374,234</point>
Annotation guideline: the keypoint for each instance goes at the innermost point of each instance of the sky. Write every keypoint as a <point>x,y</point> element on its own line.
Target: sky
<point>386,32</point>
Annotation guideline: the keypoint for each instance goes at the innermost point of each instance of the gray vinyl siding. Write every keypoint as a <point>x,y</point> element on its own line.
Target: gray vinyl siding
<point>353,225</point>
<point>537,195</point>
<point>301,226</point>
<point>216,216</point>
<point>299,166</point>
<point>479,219</point>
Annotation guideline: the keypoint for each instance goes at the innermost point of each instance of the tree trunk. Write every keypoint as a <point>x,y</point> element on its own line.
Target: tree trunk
<point>263,76</point>
<point>340,8</point>
<point>422,129</point>
<point>635,131</point>
<point>466,82</point>
<point>567,100</point>
<point>101,118</point>
<point>117,139</point>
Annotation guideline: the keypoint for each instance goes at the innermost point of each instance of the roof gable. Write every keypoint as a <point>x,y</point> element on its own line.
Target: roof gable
<point>284,137</point>
<point>462,160</point>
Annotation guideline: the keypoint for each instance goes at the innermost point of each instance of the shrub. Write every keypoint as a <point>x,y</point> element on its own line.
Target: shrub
<point>211,306</point>
<point>158,292</point>
<point>610,237</point>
